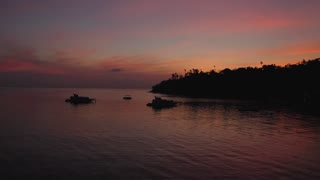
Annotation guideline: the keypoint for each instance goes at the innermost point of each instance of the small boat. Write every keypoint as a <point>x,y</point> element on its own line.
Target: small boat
<point>127,97</point>
<point>76,99</point>
<point>158,103</point>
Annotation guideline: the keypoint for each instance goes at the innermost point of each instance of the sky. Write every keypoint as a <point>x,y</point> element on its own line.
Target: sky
<point>138,43</point>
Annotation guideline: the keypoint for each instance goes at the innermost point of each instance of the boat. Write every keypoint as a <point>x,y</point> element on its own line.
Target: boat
<point>76,99</point>
<point>127,97</point>
<point>158,103</point>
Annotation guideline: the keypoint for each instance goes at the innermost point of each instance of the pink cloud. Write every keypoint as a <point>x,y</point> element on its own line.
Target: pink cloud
<point>68,67</point>
<point>210,18</point>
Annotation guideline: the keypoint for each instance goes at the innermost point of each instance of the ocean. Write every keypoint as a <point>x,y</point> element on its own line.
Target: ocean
<point>43,137</point>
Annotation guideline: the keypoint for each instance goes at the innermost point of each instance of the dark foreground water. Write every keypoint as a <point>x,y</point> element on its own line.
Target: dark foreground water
<point>42,137</point>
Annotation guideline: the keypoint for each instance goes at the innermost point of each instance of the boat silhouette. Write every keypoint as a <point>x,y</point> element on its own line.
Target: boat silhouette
<point>76,99</point>
<point>127,97</point>
<point>159,103</point>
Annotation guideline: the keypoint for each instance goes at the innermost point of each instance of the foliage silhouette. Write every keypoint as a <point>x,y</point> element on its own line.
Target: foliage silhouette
<point>296,83</point>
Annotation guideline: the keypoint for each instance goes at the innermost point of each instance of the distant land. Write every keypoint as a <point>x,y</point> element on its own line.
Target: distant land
<point>294,83</point>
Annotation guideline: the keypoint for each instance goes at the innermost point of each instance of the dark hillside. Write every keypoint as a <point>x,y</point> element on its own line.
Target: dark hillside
<point>293,83</point>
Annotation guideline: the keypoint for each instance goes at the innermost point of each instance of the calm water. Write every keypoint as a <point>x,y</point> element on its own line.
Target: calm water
<point>42,137</point>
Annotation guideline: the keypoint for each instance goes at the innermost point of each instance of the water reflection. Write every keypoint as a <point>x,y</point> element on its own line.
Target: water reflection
<point>251,141</point>
<point>42,137</point>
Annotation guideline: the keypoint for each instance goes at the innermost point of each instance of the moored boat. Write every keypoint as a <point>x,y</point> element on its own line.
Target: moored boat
<point>158,103</point>
<point>76,99</point>
<point>127,97</point>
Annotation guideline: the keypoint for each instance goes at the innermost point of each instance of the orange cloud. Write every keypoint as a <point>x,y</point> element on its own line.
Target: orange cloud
<point>298,48</point>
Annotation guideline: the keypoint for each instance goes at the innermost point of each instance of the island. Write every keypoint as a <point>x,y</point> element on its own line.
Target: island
<point>293,83</point>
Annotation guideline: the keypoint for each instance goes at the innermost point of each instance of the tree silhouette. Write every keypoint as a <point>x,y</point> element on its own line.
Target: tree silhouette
<point>293,82</point>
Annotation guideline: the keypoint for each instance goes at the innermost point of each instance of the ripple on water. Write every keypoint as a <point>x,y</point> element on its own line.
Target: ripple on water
<point>116,139</point>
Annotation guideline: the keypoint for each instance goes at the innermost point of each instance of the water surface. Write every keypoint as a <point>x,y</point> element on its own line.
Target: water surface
<point>42,137</point>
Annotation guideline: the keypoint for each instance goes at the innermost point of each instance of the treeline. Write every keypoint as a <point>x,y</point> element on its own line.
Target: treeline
<point>294,82</point>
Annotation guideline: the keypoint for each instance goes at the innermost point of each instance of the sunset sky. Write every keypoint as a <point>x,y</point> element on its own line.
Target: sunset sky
<point>137,43</point>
